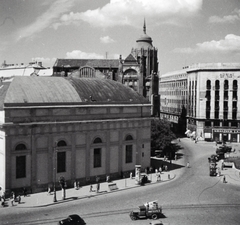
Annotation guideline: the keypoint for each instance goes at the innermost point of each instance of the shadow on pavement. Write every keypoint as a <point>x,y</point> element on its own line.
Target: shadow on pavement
<point>156,163</point>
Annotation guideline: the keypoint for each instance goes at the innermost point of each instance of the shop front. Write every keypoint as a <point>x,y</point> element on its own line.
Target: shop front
<point>226,135</point>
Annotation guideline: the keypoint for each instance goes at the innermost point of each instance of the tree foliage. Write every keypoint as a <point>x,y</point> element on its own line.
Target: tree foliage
<point>161,134</point>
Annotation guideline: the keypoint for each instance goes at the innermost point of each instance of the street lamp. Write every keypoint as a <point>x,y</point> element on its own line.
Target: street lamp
<point>54,172</point>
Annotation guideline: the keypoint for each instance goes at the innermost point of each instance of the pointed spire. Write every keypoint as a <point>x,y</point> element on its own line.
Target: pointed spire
<point>144,27</point>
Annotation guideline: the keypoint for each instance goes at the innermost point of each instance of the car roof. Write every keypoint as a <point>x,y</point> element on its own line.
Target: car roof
<point>74,216</point>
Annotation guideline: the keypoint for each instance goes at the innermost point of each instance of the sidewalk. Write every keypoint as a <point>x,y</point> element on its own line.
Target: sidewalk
<point>43,199</point>
<point>176,167</point>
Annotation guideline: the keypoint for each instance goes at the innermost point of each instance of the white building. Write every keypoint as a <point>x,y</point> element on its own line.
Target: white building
<point>203,98</point>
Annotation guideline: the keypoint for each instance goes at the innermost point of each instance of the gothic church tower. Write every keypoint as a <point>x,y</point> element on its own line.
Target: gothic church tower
<point>140,70</point>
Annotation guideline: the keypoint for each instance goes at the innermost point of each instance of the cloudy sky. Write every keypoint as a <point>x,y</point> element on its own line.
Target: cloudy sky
<point>184,31</point>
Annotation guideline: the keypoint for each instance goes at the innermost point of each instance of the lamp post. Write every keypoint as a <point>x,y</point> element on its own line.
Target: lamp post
<point>54,172</point>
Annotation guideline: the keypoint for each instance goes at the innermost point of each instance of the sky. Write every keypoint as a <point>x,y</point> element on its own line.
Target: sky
<point>184,31</point>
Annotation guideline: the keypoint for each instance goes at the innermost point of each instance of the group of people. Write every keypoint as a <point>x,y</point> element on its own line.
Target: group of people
<point>13,197</point>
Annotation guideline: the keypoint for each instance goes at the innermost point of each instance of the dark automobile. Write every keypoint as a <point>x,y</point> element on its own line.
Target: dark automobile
<point>72,220</point>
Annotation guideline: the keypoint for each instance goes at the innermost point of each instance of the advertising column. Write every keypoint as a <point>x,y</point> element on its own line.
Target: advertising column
<point>137,174</point>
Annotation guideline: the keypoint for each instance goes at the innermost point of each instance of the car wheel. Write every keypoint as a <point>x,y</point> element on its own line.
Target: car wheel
<point>133,217</point>
<point>154,216</point>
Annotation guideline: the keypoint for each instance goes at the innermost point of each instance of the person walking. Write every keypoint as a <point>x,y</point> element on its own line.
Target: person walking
<point>91,188</point>
<point>12,198</point>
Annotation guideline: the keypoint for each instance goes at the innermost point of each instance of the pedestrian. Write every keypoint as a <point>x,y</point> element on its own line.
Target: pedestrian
<point>12,198</point>
<point>2,202</point>
<point>24,192</point>
<point>188,164</point>
<point>75,185</point>
<point>160,169</point>
<point>159,177</point>
<point>98,187</point>
<point>49,190</point>
<point>166,168</point>
<point>224,179</point>
<point>91,188</point>
<point>78,185</point>
<point>131,175</point>
<point>19,199</point>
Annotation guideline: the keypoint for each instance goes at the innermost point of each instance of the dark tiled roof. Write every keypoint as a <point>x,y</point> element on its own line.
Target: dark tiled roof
<point>59,90</point>
<point>130,58</point>
<point>3,90</point>
<point>107,91</point>
<point>32,90</point>
<point>96,63</point>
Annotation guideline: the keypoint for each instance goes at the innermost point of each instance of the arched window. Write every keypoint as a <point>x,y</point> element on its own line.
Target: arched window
<point>235,84</point>
<point>97,140</point>
<point>97,153</point>
<point>61,143</point>
<point>20,147</point>
<point>208,84</point>
<point>129,138</point>
<point>217,84</point>
<point>129,150</point>
<point>226,84</point>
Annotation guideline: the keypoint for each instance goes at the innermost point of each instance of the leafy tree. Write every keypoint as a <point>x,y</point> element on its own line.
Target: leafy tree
<point>161,134</point>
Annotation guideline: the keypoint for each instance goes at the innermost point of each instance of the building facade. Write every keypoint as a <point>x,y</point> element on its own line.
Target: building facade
<point>204,99</point>
<point>54,127</point>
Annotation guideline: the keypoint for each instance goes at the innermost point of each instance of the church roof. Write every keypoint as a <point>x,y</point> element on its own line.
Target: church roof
<point>95,63</point>
<point>64,91</point>
<point>144,41</point>
<point>130,59</point>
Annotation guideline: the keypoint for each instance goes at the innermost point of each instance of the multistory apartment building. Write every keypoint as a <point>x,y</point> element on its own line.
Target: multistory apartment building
<point>204,99</point>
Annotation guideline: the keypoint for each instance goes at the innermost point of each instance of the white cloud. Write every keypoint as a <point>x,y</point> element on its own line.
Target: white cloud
<point>106,40</point>
<point>55,10</point>
<point>230,44</point>
<point>77,54</point>
<point>226,19</point>
<point>128,12</point>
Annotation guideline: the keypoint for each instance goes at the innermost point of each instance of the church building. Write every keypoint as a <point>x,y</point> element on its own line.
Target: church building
<point>52,127</point>
<point>139,70</point>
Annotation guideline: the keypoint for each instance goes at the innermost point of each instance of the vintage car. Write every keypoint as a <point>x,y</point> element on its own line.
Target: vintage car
<point>72,220</point>
<point>148,210</point>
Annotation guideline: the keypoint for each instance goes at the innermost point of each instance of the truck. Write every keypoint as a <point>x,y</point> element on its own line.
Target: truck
<point>212,169</point>
<point>148,210</point>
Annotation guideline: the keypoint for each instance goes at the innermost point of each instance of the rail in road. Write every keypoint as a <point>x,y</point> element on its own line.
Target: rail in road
<point>164,207</point>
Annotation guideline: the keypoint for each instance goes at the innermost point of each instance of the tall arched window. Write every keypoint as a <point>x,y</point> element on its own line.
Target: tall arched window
<point>61,157</point>
<point>129,149</point>
<point>97,153</point>
<point>20,162</point>
<point>208,84</point>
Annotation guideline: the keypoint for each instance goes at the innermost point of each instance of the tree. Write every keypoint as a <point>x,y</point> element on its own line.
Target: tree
<point>161,134</point>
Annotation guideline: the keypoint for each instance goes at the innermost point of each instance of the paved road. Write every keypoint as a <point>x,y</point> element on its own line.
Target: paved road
<point>192,198</point>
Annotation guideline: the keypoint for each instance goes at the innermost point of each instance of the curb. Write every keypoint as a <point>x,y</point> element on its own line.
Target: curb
<point>90,196</point>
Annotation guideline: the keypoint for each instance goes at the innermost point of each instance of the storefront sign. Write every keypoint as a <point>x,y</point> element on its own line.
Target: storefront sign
<point>226,131</point>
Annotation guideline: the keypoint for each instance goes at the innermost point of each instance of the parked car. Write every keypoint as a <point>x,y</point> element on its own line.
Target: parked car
<point>72,220</point>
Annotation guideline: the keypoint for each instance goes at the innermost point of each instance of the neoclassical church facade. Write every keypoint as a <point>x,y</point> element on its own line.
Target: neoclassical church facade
<point>76,128</point>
